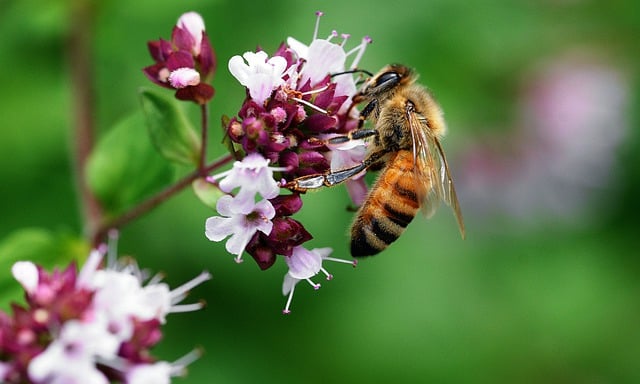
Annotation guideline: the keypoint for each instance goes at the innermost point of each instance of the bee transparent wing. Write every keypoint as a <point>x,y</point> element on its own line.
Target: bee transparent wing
<point>432,169</point>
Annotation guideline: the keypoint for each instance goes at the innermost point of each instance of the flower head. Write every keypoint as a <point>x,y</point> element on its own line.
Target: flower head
<point>86,327</point>
<point>296,97</point>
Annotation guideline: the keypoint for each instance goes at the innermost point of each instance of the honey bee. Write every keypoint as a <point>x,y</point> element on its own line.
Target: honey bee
<point>405,146</point>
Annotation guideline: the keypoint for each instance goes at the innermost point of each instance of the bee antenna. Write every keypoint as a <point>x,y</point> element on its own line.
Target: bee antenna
<point>355,70</point>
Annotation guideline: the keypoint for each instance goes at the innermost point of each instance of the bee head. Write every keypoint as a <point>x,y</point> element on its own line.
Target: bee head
<point>387,80</point>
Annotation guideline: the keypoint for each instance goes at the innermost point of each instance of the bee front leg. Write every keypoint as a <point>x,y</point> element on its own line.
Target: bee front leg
<point>366,111</point>
<point>329,179</point>
<point>356,134</point>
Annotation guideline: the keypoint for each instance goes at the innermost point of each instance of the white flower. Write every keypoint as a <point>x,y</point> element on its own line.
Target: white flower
<point>259,75</point>
<point>121,296</point>
<point>70,358</point>
<point>193,23</point>
<point>184,77</point>
<point>323,57</point>
<point>253,176</point>
<point>303,265</point>
<point>240,224</point>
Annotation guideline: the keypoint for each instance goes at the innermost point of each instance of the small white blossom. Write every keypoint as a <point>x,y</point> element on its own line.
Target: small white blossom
<point>70,358</point>
<point>259,75</point>
<point>253,176</point>
<point>303,265</point>
<point>240,225</point>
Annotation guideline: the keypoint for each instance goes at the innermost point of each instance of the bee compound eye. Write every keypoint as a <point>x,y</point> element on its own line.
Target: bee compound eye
<point>388,79</point>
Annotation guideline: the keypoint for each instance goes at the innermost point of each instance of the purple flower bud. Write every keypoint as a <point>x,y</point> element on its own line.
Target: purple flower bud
<point>263,255</point>
<point>286,205</point>
<point>286,234</point>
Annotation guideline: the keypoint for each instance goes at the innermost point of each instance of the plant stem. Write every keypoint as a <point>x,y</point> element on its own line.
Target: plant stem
<point>205,136</point>
<point>79,60</point>
<point>152,202</point>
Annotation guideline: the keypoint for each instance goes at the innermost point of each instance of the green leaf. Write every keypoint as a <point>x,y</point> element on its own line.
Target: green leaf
<point>40,246</point>
<point>171,132</point>
<point>124,167</point>
<point>207,192</point>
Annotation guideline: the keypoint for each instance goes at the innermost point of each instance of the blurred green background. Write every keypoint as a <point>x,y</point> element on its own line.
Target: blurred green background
<point>545,288</point>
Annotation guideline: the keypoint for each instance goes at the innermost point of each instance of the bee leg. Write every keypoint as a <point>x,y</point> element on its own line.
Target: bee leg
<point>353,135</point>
<point>366,111</point>
<point>331,178</point>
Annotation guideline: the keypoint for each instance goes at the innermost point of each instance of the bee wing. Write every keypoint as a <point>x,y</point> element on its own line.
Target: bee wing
<point>432,170</point>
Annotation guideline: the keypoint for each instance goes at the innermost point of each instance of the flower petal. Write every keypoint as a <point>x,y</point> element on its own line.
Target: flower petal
<point>217,228</point>
<point>27,275</point>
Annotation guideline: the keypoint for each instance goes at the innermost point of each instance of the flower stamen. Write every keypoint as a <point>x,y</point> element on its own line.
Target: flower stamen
<point>315,31</point>
<point>360,51</point>
<point>180,292</point>
<point>178,366</point>
<point>329,276</point>
<point>314,285</point>
<point>345,37</point>
<point>310,105</point>
<point>187,307</point>
<point>286,310</point>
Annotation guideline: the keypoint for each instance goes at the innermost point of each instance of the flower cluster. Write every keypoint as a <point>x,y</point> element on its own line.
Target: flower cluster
<point>95,326</point>
<point>186,62</point>
<point>296,100</point>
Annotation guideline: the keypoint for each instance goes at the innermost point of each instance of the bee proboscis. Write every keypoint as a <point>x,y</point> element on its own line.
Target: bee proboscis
<point>405,146</point>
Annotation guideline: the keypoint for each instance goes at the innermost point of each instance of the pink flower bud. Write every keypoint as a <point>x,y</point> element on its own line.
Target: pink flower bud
<point>193,23</point>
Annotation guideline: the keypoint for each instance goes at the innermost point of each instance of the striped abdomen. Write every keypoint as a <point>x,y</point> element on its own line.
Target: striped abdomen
<point>391,205</point>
